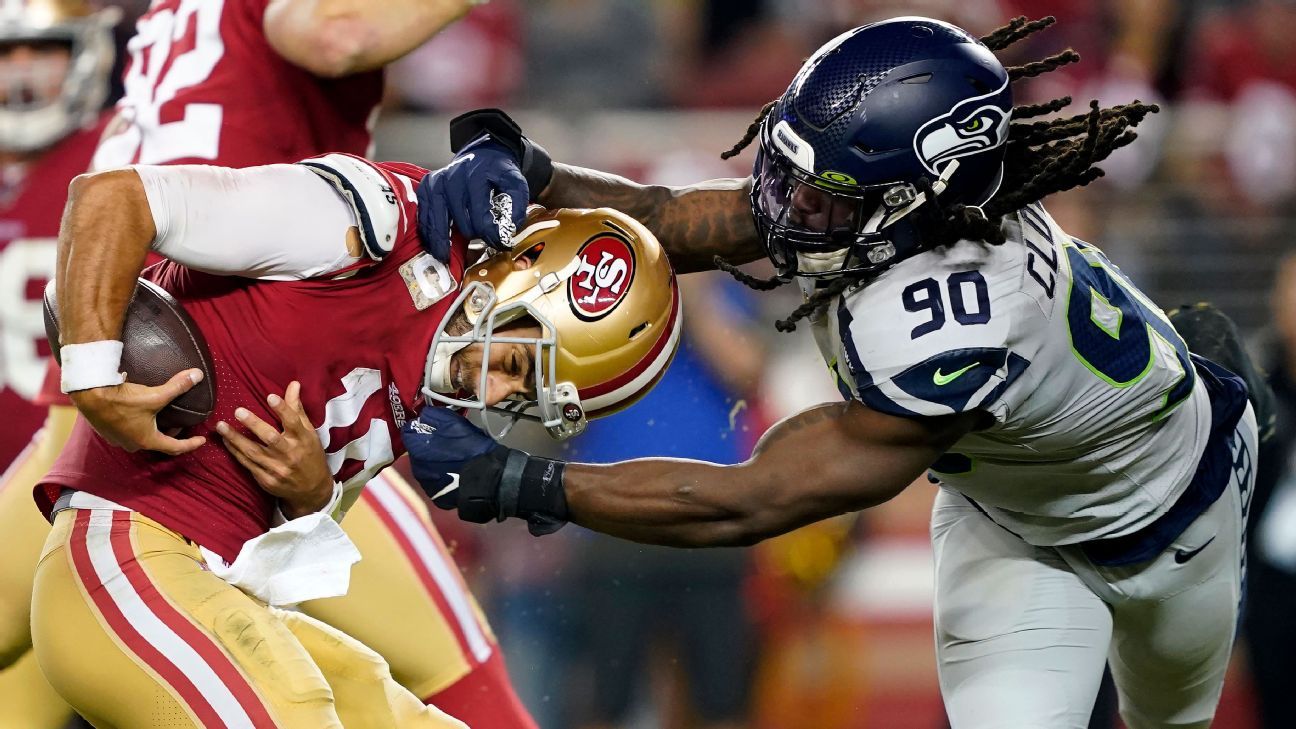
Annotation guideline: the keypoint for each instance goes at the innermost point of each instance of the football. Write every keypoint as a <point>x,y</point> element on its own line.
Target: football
<point>159,340</point>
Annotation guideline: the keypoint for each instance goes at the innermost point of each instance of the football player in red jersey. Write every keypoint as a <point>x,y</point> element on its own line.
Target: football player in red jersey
<point>250,82</point>
<point>162,573</point>
<point>56,80</point>
<point>55,57</point>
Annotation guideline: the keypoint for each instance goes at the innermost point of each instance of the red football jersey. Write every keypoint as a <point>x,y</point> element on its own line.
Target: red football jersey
<point>203,85</point>
<point>357,344</point>
<point>29,223</point>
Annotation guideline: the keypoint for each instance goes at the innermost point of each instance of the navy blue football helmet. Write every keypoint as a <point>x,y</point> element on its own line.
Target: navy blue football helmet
<point>870,114</point>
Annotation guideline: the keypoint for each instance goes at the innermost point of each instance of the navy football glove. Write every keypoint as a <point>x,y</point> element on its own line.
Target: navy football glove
<point>485,190</point>
<point>495,481</point>
<point>440,441</point>
<point>463,193</point>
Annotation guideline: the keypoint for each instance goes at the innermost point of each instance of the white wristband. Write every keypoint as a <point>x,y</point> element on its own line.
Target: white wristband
<point>331,508</point>
<point>90,365</point>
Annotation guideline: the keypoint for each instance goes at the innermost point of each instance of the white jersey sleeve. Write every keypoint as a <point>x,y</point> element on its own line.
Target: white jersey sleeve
<point>936,334</point>
<point>278,222</point>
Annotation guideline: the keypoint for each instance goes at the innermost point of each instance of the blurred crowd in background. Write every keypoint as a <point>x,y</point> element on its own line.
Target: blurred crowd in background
<point>830,627</point>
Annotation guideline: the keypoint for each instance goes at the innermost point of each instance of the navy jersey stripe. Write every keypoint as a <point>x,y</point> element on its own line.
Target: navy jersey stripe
<point>865,390</point>
<point>951,378</point>
<point>362,214</point>
<point>1017,364</point>
<point>1228,398</point>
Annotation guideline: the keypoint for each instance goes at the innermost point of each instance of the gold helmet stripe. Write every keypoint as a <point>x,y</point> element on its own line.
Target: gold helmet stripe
<point>531,229</point>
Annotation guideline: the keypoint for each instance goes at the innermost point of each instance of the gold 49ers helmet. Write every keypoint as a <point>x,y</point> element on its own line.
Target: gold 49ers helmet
<point>45,97</point>
<point>599,285</point>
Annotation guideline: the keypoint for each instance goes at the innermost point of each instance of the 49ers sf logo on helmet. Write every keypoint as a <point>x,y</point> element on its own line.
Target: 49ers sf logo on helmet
<point>602,276</point>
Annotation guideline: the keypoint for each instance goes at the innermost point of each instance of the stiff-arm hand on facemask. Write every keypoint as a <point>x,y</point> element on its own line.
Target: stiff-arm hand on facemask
<point>495,481</point>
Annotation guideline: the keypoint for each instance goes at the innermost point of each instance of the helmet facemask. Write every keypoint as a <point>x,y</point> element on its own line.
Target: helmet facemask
<point>45,101</point>
<point>555,406</point>
<point>816,228</point>
<point>605,307</point>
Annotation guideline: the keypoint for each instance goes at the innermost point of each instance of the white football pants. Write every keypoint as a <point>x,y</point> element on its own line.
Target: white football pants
<point>1022,632</point>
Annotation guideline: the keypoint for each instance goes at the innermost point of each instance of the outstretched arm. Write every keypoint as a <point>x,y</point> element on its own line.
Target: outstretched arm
<point>694,223</point>
<point>824,461</point>
<point>497,170</point>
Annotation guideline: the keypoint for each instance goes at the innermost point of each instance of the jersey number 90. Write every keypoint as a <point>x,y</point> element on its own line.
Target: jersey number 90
<point>925,296</point>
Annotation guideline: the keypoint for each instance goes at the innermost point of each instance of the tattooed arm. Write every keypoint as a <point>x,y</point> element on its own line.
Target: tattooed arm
<point>828,460</point>
<point>694,223</point>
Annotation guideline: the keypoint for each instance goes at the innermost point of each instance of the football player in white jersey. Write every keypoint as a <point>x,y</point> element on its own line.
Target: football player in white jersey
<point>1094,473</point>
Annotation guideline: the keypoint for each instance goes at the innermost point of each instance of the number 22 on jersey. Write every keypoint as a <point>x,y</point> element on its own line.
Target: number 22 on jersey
<point>174,48</point>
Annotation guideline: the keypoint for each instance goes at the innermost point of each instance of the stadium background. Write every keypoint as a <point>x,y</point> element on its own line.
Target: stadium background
<point>1200,208</point>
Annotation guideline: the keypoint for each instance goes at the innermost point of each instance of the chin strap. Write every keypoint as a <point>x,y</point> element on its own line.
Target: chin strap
<point>821,262</point>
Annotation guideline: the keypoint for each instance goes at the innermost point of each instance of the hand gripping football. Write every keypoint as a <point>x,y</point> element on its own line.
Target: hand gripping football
<point>159,340</point>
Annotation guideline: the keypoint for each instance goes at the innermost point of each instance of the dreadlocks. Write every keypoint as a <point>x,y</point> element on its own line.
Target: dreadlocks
<point>1042,158</point>
<point>752,131</point>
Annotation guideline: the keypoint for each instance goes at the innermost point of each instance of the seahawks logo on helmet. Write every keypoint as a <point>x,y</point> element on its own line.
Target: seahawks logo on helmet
<point>973,125</point>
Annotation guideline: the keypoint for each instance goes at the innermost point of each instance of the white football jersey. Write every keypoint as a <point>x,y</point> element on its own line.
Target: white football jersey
<point>1099,416</point>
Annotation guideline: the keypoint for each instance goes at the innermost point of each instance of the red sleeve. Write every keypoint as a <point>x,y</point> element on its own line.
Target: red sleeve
<point>51,393</point>
<point>255,10</point>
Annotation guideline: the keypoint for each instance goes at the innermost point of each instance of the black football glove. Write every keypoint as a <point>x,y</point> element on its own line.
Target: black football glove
<point>1210,333</point>
<point>485,190</point>
<point>495,481</point>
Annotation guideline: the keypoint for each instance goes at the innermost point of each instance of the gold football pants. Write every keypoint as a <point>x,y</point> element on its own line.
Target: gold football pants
<point>26,699</point>
<point>431,632</point>
<point>407,599</point>
<point>133,631</point>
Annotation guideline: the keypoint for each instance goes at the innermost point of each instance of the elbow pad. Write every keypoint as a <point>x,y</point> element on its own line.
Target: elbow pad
<point>371,196</point>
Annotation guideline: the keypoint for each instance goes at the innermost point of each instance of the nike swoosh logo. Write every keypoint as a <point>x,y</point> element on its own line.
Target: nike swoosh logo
<point>450,487</point>
<point>460,160</point>
<point>942,379</point>
<point>1182,556</point>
